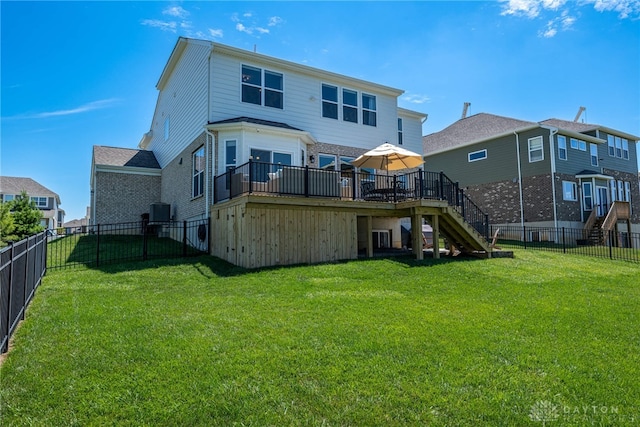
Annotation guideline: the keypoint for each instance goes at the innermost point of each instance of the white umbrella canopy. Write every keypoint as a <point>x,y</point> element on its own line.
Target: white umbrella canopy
<point>389,157</point>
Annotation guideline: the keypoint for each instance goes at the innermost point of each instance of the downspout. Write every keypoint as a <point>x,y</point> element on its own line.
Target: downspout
<point>207,146</point>
<point>519,180</point>
<point>552,132</point>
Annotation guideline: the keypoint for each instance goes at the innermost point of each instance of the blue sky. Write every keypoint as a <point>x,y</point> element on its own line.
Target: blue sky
<point>78,74</point>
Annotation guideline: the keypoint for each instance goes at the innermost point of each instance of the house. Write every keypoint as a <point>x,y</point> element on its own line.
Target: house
<point>553,173</point>
<point>262,147</point>
<point>124,183</point>
<point>46,200</point>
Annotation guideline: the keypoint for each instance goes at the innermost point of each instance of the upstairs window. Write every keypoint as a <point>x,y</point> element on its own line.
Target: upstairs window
<point>329,101</point>
<point>625,149</point>
<point>593,150</point>
<point>269,94</point>
<point>562,147</point>
<point>40,202</point>
<point>578,144</point>
<point>349,106</point>
<point>400,139</point>
<point>369,110</point>
<point>612,145</point>
<point>477,155</point>
<point>198,173</point>
<point>618,147</point>
<point>536,153</point>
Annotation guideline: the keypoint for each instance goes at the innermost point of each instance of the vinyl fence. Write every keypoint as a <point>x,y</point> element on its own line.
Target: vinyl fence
<point>619,245</point>
<point>22,266</point>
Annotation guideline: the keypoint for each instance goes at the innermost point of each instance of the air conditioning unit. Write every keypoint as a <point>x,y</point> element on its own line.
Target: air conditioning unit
<point>159,212</point>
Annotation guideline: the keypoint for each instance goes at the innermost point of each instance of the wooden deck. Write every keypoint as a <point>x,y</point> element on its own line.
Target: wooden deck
<point>260,230</point>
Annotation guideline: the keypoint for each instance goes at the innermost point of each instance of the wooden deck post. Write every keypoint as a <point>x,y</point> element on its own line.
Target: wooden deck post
<point>435,236</point>
<point>416,236</point>
<point>369,236</point>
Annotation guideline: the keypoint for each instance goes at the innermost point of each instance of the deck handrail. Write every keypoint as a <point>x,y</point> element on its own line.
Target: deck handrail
<point>269,178</point>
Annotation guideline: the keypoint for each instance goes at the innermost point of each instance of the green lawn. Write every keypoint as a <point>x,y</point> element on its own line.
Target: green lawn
<point>542,338</point>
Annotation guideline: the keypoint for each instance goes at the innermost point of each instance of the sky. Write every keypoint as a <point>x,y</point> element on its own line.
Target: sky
<point>78,74</point>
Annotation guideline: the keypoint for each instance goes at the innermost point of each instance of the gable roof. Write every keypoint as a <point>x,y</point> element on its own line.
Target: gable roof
<point>572,126</point>
<point>124,157</point>
<point>472,129</point>
<point>15,185</point>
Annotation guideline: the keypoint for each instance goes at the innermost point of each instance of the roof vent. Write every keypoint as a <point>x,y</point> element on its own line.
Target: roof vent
<point>465,108</point>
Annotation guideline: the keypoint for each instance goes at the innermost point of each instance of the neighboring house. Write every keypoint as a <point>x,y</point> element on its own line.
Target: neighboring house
<point>46,200</point>
<point>124,183</point>
<point>553,173</point>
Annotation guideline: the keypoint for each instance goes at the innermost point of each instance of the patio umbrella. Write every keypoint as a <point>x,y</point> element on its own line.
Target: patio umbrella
<point>388,157</point>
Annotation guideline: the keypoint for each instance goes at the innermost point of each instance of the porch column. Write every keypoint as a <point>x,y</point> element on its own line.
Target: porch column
<point>369,228</point>
<point>416,236</point>
<point>435,236</point>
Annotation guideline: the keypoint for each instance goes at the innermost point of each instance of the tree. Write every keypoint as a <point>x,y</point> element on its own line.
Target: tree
<point>7,227</point>
<point>26,216</point>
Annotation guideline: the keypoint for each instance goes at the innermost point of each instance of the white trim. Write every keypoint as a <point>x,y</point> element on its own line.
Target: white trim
<point>306,137</point>
<point>540,137</point>
<point>129,170</point>
<point>476,152</point>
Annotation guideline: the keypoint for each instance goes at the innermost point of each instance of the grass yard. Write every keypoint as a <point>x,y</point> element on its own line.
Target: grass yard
<point>542,339</point>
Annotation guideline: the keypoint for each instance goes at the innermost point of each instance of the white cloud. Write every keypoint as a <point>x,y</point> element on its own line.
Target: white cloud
<point>163,25</point>
<point>274,20</point>
<point>240,27</point>
<point>218,33</point>
<point>624,8</point>
<point>262,30</point>
<point>528,8</point>
<point>549,32</point>
<point>176,11</point>
<point>416,99</point>
<point>91,106</point>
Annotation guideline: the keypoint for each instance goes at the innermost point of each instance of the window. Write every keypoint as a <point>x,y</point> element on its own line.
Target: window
<point>569,191</point>
<point>346,168</point>
<point>620,190</point>
<point>368,110</point>
<point>611,143</point>
<point>587,196</point>
<point>230,154</point>
<point>327,162</point>
<point>618,147</point>
<point>477,155</point>
<point>578,144</point>
<point>625,149</point>
<point>349,106</point>
<point>329,101</point>
<point>593,149</point>
<point>7,197</point>
<point>400,131</point>
<point>536,152</point>
<point>166,128</point>
<point>252,88</point>
<point>198,173</point>
<point>562,147</point>
<point>40,202</point>
<point>612,190</point>
<point>574,143</point>
<point>627,191</point>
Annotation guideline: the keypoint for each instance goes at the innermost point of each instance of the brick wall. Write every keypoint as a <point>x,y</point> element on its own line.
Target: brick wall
<point>568,210</point>
<point>123,197</point>
<point>635,191</point>
<point>177,179</point>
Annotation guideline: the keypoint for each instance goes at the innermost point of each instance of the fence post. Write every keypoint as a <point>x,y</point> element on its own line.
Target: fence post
<point>421,182</point>
<point>250,173</point>
<point>98,245</point>
<point>145,241</point>
<point>441,189</point>
<point>461,195</point>
<point>353,184</point>
<point>395,188</point>
<point>524,236</point>
<point>488,232</point>
<point>306,180</point>
<point>184,238</point>
<point>610,244</point>
<point>5,347</point>
<point>564,246</point>
<point>26,277</point>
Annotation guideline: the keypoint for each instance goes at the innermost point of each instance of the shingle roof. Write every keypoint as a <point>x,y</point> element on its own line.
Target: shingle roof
<point>113,156</point>
<point>15,185</point>
<point>572,126</point>
<point>255,122</point>
<point>473,128</point>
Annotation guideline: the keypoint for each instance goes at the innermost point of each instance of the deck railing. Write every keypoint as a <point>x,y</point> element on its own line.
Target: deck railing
<point>276,179</point>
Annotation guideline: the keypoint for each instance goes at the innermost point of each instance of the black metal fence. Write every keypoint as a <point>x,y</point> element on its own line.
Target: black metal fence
<point>621,245</point>
<point>276,179</point>
<point>22,266</point>
<point>109,243</point>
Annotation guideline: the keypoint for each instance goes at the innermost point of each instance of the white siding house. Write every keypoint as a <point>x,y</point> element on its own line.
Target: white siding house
<point>234,104</point>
